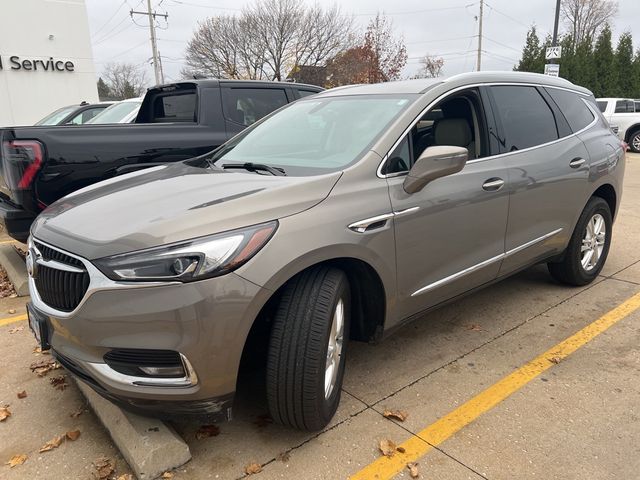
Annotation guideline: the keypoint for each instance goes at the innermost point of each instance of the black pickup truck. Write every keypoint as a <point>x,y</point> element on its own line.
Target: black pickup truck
<point>39,165</point>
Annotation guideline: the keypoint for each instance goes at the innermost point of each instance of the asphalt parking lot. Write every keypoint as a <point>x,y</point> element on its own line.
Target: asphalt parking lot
<point>525,379</point>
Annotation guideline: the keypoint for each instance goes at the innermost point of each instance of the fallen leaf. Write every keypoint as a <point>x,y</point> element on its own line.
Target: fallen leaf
<point>6,287</point>
<point>13,295</point>
<point>167,475</point>
<point>4,413</point>
<point>77,413</point>
<point>38,350</point>
<point>73,435</point>
<point>206,431</point>
<point>400,449</point>
<point>474,327</point>
<point>59,382</point>
<point>395,414</point>
<point>125,476</point>
<point>555,360</point>
<point>16,329</point>
<point>263,420</point>
<point>22,394</point>
<point>387,447</point>
<point>16,460</point>
<point>51,444</point>
<point>252,468</point>
<point>44,366</point>
<point>103,468</point>
<point>413,470</point>
<point>12,311</point>
<point>283,457</point>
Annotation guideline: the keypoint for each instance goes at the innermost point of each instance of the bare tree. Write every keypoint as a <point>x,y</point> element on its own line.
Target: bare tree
<point>268,39</point>
<point>124,80</point>
<point>389,54</point>
<point>431,67</point>
<point>585,19</point>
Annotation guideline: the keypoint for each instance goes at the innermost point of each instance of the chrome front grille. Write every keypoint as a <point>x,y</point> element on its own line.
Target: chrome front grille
<point>61,280</point>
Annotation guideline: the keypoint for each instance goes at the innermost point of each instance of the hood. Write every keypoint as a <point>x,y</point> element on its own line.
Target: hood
<point>172,203</point>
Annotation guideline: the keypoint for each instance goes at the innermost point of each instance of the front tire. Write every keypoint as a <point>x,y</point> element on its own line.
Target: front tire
<point>634,141</point>
<point>306,358</point>
<point>589,246</point>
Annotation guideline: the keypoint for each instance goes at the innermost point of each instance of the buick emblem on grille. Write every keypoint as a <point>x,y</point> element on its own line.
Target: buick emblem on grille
<point>32,264</point>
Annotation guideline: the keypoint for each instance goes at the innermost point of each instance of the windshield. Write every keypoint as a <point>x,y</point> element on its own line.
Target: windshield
<point>116,112</point>
<point>56,117</point>
<point>316,135</point>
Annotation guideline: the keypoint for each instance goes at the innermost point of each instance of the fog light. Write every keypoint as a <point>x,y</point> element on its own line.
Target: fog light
<point>173,371</point>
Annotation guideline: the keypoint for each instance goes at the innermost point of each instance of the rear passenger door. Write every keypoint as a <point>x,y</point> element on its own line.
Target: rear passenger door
<point>243,106</point>
<point>548,169</point>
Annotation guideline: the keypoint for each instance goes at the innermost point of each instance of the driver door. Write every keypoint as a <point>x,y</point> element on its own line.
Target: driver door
<point>450,235</point>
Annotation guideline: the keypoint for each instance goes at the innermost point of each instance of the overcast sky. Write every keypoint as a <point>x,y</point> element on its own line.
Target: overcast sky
<point>446,28</point>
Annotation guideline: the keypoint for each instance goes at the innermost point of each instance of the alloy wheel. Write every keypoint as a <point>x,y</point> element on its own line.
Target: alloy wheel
<point>593,242</point>
<point>334,349</point>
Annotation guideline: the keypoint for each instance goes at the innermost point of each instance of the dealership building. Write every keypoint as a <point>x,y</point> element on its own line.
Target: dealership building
<point>45,59</point>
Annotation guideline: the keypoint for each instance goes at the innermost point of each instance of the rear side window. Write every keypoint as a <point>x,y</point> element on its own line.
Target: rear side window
<point>625,106</point>
<point>573,108</point>
<point>527,120</point>
<point>248,105</point>
<point>305,93</point>
<point>602,106</point>
<point>174,108</point>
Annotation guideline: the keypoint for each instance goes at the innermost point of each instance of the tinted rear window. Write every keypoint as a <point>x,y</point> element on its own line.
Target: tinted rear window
<point>174,108</point>
<point>527,120</point>
<point>573,108</point>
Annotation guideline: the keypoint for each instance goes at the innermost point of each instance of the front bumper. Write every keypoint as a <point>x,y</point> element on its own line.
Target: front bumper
<point>206,322</point>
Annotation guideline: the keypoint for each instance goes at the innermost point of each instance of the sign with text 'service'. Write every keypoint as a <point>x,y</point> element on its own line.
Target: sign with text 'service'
<point>14,62</point>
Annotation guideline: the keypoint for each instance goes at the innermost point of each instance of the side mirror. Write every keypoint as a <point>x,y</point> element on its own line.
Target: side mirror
<point>435,162</point>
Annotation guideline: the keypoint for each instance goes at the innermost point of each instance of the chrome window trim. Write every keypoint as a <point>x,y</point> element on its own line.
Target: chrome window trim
<point>379,173</point>
<point>97,281</point>
<point>104,371</point>
<point>485,263</point>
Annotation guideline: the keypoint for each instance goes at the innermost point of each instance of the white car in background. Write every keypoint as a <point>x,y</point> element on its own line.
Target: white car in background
<point>121,112</point>
<point>624,118</point>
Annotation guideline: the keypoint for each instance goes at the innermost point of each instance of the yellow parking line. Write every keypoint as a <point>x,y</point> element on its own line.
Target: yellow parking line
<point>447,426</point>
<point>10,320</point>
<point>8,241</point>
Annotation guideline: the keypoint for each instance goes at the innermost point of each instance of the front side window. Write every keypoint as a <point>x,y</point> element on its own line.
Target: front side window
<point>248,105</point>
<point>316,135</point>
<point>56,117</point>
<point>573,108</point>
<point>85,116</point>
<point>527,119</point>
<point>625,106</point>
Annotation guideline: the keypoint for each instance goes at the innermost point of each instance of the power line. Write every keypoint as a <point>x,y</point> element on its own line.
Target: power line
<point>441,40</point>
<point>501,44</point>
<point>507,16</point>
<point>152,15</point>
<point>114,34</point>
<point>412,12</point>
<point>213,7</point>
<point>124,2</point>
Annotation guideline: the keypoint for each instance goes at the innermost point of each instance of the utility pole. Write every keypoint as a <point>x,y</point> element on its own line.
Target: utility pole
<point>157,65</point>
<point>554,41</point>
<point>479,59</point>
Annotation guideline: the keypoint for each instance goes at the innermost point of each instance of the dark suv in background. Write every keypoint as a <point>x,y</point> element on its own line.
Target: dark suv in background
<point>39,165</point>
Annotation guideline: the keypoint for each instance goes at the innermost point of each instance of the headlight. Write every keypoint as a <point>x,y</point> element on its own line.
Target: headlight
<point>191,260</point>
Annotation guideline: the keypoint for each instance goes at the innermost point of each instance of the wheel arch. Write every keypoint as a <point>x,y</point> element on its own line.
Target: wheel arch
<point>630,131</point>
<point>607,192</point>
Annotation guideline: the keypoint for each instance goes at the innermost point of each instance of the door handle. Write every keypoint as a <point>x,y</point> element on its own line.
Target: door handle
<point>577,162</point>
<point>493,184</point>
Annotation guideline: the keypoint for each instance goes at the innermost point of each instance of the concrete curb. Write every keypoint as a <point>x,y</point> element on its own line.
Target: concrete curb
<point>149,446</point>
<point>15,268</point>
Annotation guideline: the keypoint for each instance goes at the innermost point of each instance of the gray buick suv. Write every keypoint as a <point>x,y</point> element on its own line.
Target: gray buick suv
<point>339,217</point>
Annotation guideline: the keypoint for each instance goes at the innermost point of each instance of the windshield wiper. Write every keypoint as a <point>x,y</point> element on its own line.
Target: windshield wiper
<point>255,167</point>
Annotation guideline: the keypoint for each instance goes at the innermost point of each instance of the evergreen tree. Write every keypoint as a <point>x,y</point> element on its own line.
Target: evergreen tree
<point>568,67</point>
<point>531,54</point>
<point>104,93</point>
<point>606,79</point>
<point>636,75</point>
<point>583,71</point>
<point>624,66</point>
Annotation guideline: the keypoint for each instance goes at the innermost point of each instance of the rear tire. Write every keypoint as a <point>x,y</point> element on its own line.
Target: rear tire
<point>588,248</point>
<point>306,341</point>
<point>634,141</point>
